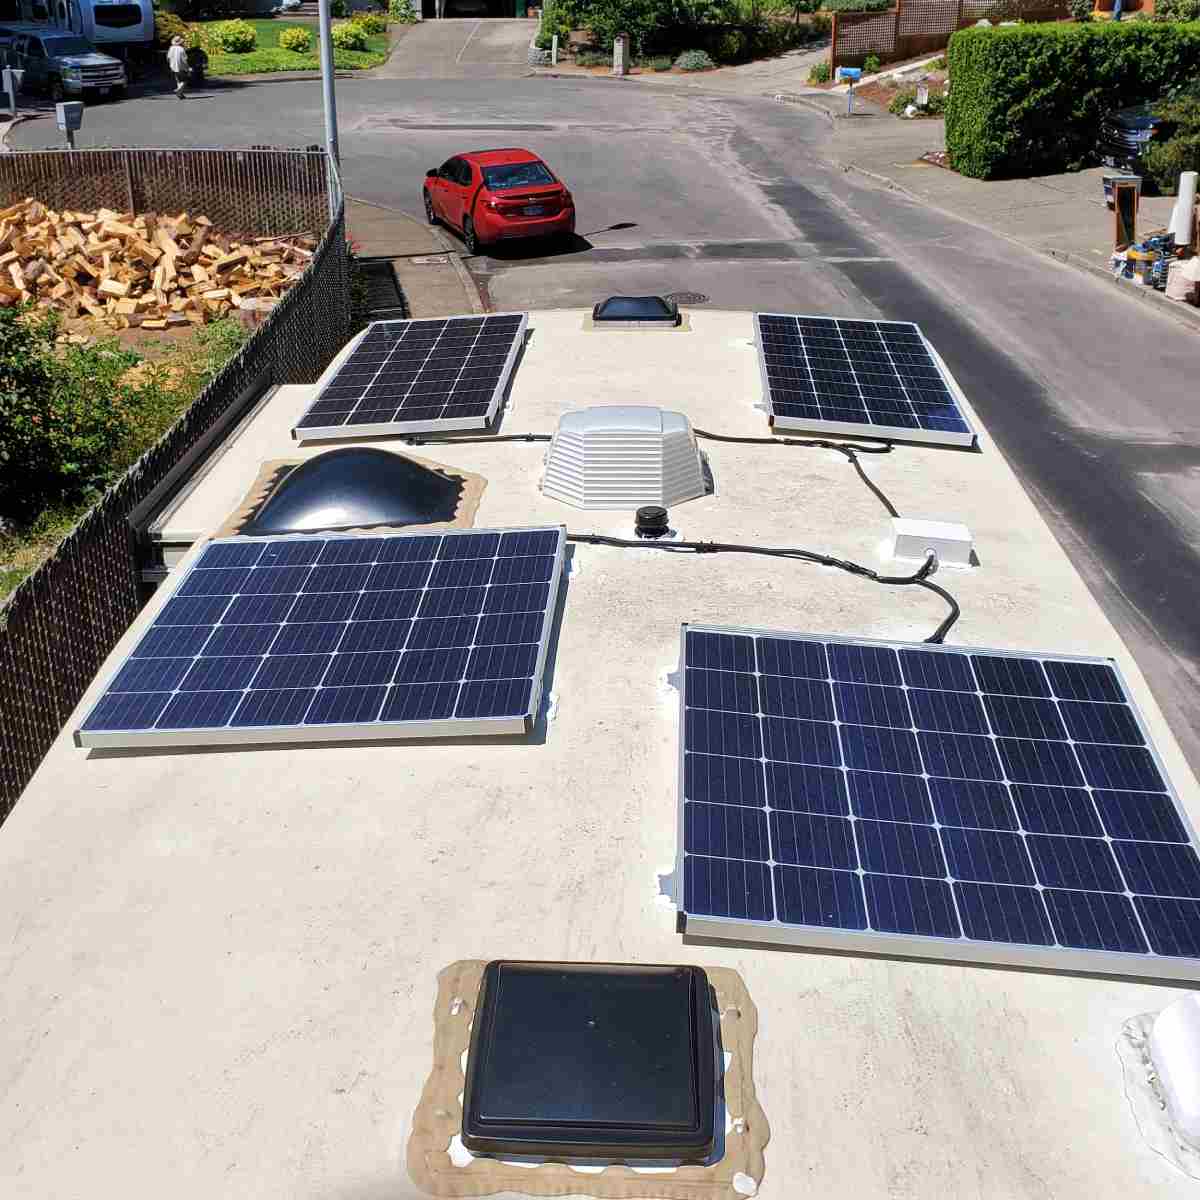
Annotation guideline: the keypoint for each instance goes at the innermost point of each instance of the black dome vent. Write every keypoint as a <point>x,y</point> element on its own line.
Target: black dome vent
<point>356,487</point>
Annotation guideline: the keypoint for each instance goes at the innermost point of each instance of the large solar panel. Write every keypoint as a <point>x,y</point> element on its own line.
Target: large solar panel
<point>877,379</point>
<point>919,800</point>
<point>409,376</point>
<point>341,638</point>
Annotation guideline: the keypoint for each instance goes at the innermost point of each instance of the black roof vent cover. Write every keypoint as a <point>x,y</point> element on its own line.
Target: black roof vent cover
<point>636,310</point>
<point>591,1061</point>
<point>356,487</point>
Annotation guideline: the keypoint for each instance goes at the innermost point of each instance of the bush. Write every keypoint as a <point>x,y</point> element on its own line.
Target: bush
<point>1028,99</point>
<point>643,20</point>
<point>167,26</point>
<point>557,19</point>
<point>339,9</point>
<point>731,46</point>
<point>298,41</point>
<point>1177,10</point>
<point>694,60</point>
<point>592,58</point>
<point>349,36</point>
<point>1081,10</point>
<point>369,22</point>
<point>233,37</point>
<point>402,11</point>
<point>662,62</point>
<point>871,64</point>
<point>818,73</point>
<point>934,108</point>
<point>1165,160</point>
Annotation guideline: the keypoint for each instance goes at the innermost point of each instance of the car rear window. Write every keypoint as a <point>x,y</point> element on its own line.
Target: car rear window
<point>515,175</point>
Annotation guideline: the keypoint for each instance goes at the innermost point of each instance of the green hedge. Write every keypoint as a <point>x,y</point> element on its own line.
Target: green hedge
<point>1028,99</point>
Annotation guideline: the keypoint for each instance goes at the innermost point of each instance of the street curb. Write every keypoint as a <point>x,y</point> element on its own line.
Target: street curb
<point>9,126</point>
<point>803,101</point>
<point>469,286</point>
<point>1182,314</point>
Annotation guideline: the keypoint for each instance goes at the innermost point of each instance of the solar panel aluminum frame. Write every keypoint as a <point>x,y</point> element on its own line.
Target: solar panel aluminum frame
<point>319,433</point>
<point>300,735</point>
<point>907,945</point>
<point>865,430</point>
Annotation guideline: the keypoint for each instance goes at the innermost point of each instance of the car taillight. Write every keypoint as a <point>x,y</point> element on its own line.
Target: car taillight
<point>492,203</point>
<point>568,201</point>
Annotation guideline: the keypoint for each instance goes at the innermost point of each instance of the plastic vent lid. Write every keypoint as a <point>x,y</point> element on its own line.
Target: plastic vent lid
<point>592,1061</point>
<point>637,310</point>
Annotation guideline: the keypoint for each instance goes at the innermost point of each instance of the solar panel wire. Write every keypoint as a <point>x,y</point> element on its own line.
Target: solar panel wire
<point>919,578</point>
<point>851,452</point>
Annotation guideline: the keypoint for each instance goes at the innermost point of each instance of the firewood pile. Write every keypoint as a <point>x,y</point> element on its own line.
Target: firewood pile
<point>105,270</point>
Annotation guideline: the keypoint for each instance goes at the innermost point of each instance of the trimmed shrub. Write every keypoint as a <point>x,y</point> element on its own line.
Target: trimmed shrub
<point>1177,10</point>
<point>1166,160</point>
<point>732,46</point>
<point>660,63</point>
<point>871,64</point>
<point>592,58</point>
<point>349,36</point>
<point>298,41</point>
<point>369,22</point>
<point>233,37</point>
<point>935,107</point>
<point>167,26</point>
<point>694,60</point>
<point>818,73</point>
<point>402,12</point>
<point>1028,99</point>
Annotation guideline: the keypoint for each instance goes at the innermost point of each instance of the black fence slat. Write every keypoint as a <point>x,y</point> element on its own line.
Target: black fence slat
<point>60,624</point>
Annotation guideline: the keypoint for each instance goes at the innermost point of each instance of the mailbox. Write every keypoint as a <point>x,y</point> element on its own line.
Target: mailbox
<point>849,73</point>
<point>69,114</point>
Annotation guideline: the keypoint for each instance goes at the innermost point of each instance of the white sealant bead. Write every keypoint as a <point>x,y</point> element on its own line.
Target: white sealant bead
<point>744,1185</point>
<point>460,1156</point>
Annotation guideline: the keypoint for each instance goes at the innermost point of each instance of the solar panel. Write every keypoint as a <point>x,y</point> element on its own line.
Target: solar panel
<point>865,378</point>
<point>408,376</point>
<point>341,638</point>
<point>921,800</point>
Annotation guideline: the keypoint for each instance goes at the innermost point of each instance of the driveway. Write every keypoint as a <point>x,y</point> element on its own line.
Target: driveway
<point>461,48</point>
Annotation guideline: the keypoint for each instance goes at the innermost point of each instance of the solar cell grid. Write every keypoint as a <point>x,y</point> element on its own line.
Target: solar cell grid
<point>953,803</point>
<point>870,378</point>
<point>348,637</point>
<point>404,376</point>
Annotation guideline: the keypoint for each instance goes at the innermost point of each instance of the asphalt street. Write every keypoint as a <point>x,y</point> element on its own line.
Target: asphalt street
<point>1090,395</point>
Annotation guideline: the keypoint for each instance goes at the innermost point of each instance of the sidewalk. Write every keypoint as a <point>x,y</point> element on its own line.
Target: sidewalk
<point>425,260</point>
<point>1063,216</point>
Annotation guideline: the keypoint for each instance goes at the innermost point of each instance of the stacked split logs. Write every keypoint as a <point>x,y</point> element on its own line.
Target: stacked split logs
<point>107,270</point>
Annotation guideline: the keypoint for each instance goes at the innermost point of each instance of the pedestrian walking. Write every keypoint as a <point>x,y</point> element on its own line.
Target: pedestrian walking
<point>177,60</point>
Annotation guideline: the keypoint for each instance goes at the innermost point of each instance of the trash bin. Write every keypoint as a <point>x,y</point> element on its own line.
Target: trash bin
<point>1119,177</point>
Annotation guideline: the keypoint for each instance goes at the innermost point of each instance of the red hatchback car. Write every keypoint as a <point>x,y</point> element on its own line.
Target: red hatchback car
<point>493,195</point>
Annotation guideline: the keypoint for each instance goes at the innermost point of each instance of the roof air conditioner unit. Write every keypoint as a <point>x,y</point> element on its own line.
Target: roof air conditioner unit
<point>623,457</point>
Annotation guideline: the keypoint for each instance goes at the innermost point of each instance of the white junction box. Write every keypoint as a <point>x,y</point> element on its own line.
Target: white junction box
<point>913,540</point>
<point>1175,1055</point>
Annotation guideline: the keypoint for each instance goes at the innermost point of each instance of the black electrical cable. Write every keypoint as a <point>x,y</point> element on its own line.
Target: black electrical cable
<point>917,579</point>
<point>851,453</point>
<point>439,440</point>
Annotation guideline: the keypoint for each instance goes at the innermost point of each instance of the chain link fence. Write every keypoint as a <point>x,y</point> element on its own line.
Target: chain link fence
<point>62,622</point>
<point>917,27</point>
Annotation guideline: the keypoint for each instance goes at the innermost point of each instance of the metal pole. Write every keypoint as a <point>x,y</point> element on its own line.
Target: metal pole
<point>70,139</point>
<point>331,136</point>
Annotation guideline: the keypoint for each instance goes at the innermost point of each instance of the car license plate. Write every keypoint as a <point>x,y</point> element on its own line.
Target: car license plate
<point>534,210</point>
<point>103,91</point>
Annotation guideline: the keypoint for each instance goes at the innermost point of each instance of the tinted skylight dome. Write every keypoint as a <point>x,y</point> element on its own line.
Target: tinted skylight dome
<point>357,487</point>
<point>636,310</point>
<point>623,457</point>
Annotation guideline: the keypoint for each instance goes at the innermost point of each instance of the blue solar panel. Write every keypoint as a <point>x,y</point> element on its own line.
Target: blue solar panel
<point>408,376</point>
<point>928,800</point>
<point>345,637</point>
<point>865,378</point>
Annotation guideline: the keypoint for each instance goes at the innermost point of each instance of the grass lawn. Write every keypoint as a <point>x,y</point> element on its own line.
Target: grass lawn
<point>267,56</point>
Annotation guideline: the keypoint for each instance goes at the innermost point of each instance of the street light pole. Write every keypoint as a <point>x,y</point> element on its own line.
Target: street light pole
<point>331,135</point>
